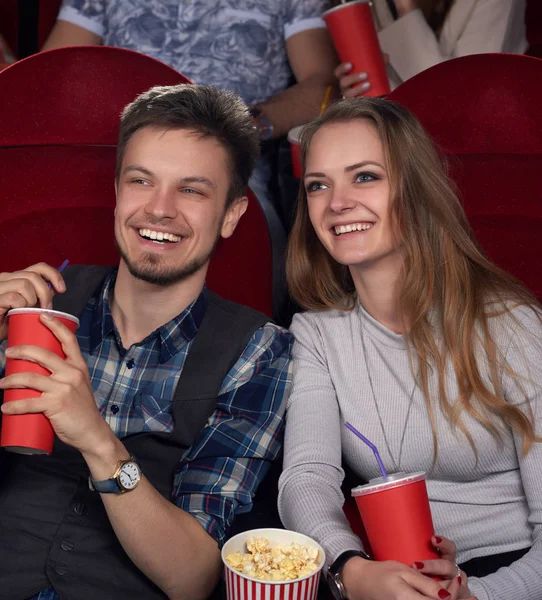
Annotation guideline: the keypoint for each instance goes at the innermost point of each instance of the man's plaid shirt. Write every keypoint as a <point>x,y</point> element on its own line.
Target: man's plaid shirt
<point>134,388</point>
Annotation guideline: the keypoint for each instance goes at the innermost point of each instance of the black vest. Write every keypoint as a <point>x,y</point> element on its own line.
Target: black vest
<point>53,529</point>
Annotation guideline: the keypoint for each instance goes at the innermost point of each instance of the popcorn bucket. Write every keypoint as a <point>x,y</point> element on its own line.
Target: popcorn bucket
<point>243,587</point>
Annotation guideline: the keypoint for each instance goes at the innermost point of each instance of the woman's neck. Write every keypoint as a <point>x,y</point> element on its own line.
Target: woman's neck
<point>378,290</point>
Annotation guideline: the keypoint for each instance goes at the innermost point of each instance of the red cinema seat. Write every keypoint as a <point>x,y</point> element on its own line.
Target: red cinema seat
<point>484,112</point>
<point>59,113</point>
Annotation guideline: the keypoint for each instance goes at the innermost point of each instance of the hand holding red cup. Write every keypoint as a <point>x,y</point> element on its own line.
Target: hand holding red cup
<point>354,36</point>
<point>30,433</point>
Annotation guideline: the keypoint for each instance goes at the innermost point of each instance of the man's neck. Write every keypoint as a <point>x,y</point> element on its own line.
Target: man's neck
<point>378,287</point>
<point>139,307</point>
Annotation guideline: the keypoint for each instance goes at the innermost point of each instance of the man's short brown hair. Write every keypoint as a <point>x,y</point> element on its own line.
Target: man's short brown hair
<point>204,109</point>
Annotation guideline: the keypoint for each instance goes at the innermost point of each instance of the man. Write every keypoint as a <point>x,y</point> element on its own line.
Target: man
<point>135,396</point>
<point>251,47</point>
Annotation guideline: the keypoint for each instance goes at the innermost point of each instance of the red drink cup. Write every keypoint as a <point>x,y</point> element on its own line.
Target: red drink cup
<point>31,433</point>
<point>294,137</point>
<point>397,518</point>
<point>352,29</point>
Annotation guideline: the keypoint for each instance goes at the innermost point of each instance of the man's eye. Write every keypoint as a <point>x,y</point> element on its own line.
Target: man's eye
<point>140,181</point>
<point>366,177</point>
<point>314,186</point>
<point>190,191</point>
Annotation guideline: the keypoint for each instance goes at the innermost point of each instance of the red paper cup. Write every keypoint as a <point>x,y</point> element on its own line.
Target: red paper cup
<point>397,518</point>
<point>30,434</point>
<point>243,587</point>
<point>352,29</point>
<point>294,137</point>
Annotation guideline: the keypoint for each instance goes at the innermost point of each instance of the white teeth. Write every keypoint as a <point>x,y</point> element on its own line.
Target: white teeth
<point>158,235</point>
<point>352,227</point>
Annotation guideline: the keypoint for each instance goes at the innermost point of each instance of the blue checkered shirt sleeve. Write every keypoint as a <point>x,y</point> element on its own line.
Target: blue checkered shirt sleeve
<point>221,472</point>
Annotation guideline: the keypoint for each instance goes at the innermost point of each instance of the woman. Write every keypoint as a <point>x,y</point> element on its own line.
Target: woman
<point>426,347</point>
<point>417,34</point>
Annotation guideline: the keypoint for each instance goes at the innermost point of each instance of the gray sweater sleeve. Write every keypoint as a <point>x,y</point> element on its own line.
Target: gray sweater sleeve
<point>310,497</point>
<point>523,579</point>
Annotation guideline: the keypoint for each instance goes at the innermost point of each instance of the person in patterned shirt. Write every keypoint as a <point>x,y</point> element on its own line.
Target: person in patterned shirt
<point>184,159</point>
<point>252,47</point>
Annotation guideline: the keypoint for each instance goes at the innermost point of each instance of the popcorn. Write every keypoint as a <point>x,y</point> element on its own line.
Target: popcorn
<point>278,563</point>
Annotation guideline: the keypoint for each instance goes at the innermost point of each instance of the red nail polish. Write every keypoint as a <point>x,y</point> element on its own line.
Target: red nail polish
<point>438,540</point>
<point>459,580</point>
<point>418,565</point>
<point>444,593</point>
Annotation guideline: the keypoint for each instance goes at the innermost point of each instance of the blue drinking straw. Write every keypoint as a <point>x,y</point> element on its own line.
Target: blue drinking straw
<point>60,269</point>
<point>371,446</point>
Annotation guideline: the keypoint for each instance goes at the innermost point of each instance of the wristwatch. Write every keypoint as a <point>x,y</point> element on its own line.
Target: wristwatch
<point>126,478</point>
<point>334,581</point>
<point>262,123</point>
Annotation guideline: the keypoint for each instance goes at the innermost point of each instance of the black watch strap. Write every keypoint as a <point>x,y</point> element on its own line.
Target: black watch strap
<point>334,572</point>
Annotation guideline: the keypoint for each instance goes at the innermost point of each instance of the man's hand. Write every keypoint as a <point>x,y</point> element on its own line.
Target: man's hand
<point>28,288</point>
<point>67,398</point>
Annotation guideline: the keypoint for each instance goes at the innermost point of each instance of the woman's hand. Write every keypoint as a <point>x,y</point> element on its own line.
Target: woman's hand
<point>445,567</point>
<point>390,580</point>
<point>353,84</point>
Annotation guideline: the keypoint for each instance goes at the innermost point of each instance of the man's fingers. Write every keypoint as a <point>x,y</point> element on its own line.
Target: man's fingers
<point>50,274</point>
<point>68,340</point>
<point>41,356</point>
<point>29,381</point>
<point>11,300</point>
<point>26,406</point>
<point>12,290</point>
<point>32,284</point>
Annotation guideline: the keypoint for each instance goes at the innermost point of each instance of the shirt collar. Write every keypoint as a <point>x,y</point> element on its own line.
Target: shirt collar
<point>173,336</point>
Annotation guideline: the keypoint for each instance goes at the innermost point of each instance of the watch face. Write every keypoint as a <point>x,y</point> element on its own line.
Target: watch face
<point>129,476</point>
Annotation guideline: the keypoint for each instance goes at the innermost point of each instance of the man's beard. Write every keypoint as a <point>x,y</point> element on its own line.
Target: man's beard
<point>150,269</point>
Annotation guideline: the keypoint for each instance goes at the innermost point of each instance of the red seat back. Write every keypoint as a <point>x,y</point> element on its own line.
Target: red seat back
<point>484,112</point>
<point>58,135</point>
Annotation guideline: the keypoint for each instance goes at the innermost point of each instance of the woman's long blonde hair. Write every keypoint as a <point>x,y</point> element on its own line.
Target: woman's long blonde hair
<point>445,272</point>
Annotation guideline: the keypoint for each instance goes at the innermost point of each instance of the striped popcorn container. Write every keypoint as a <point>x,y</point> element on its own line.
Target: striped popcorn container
<point>243,587</point>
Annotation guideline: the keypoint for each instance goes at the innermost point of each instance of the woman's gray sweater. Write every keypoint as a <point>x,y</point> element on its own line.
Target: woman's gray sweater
<point>486,507</point>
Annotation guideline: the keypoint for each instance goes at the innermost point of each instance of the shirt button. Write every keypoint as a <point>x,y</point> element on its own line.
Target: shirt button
<point>115,409</point>
<point>61,569</point>
<point>66,545</point>
<point>80,509</point>
<point>131,363</point>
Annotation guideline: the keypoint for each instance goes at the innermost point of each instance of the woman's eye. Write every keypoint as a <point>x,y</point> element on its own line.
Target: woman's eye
<point>314,186</point>
<point>366,177</point>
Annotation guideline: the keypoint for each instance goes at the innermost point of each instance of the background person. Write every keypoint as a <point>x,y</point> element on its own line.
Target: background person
<point>418,34</point>
<point>252,47</point>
